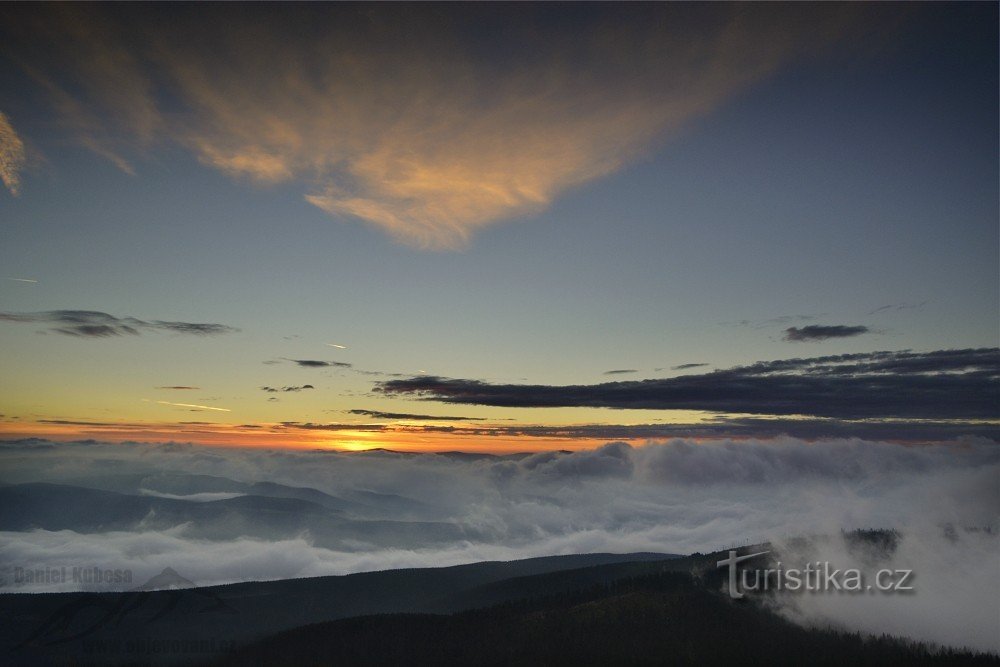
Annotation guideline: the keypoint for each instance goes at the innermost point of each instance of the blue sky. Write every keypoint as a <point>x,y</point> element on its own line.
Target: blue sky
<point>563,230</point>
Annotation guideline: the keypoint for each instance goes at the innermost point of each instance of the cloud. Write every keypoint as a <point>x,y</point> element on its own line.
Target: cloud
<point>178,387</point>
<point>273,390</point>
<point>360,371</point>
<point>196,407</point>
<point>946,384</point>
<point>428,125</point>
<point>733,427</point>
<point>949,605</point>
<point>916,430</point>
<point>197,329</point>
<point>621,371</point>
<point>309,426</point>
<point>70,422</point>
<point>375,414</point>
<point>683,367</point>
<point>313,363</point>
<point>821,332</point>
<point>895,307</point>
<point>11,157</point>
<point>678,496</point>
<point>94,324</point>
<point>769,322</point>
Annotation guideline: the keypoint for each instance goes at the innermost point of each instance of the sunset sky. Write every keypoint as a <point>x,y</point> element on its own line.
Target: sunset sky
<point>500,227</point>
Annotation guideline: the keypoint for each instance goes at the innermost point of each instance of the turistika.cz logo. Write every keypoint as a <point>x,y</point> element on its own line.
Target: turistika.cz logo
<point>815,577</point>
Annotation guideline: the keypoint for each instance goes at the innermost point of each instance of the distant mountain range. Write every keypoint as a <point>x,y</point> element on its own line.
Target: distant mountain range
<point>355,503</point>
<point>263,510</point>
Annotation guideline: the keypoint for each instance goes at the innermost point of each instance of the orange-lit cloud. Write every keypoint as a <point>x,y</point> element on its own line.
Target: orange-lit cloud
<point>392,117</point>
<point>11,158</point>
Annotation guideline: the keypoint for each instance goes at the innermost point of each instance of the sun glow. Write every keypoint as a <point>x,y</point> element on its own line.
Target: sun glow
<point>355,445</point>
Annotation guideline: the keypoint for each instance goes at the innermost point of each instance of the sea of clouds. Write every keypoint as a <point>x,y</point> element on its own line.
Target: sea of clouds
<point>678,496</point>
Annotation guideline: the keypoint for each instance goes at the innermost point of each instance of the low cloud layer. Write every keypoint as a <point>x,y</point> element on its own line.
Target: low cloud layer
<point>428,126</point>
<point>955,599</point>
<point>677,496</point>
<point>946,384</point>
<point>95,324</point>
<point>817,332</point>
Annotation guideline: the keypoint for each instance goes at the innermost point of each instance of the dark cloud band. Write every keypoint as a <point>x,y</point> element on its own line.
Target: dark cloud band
<point>375,414</point>
<point>947,384</point>
<point>95,324</point>
<point>820,332</point>
<point>314,363</point>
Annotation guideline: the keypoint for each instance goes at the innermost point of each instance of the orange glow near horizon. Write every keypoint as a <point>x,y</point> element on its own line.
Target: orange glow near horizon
<point>277,436</point>
<point>403,436</point>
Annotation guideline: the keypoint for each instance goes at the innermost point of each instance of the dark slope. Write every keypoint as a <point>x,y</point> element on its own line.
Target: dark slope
<point>664,618</point>
<point>112,627</point>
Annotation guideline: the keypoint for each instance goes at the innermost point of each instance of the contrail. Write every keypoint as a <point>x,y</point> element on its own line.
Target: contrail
<point>191,405</point>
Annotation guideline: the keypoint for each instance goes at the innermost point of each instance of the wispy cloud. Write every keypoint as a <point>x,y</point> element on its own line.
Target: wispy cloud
<point>620,371</point>
<point>916,430</point>
<point>274,390</point>
<point>769,322</point>
<point>425,126</point>
<point>23,280</point>
<point>93,77</point>
<point>896,307</point>
<point>72,422</point>
<point>684,367</point>
<point>816,332</point>
<point>375,414</point>
<point>194,328</point>
<point>315,363</point>
<point>192,405</point>
<point>11,156</point>
<point>178,387</point>
<point>309,426</point>
<point>946,384</point>
<point>95,324</point>
<point>339,347</point>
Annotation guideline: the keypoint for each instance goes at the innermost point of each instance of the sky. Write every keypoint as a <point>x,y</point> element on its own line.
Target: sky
<point>498,228</point>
